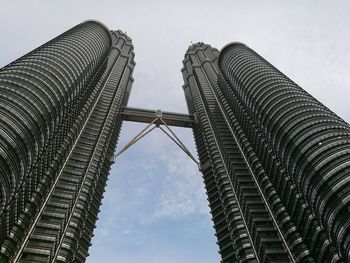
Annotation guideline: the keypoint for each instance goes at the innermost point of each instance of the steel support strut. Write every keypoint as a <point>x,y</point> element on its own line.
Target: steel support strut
<point>156,123</point>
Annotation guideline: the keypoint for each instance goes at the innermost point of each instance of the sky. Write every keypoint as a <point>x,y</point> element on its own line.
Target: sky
<point>155,208</point>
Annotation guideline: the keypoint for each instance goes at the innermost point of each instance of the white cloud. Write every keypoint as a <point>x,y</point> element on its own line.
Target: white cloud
<point>183,193</point>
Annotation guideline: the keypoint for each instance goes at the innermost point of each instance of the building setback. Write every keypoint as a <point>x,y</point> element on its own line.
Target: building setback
<point>275,161</point>
<point>60,119</point>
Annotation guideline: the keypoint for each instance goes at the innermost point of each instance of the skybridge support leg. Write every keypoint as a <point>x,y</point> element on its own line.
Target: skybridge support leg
<point>156,123</point>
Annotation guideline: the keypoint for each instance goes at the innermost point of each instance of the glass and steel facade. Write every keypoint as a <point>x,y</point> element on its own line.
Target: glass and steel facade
<point>275,161</point>
<point>60,119</point>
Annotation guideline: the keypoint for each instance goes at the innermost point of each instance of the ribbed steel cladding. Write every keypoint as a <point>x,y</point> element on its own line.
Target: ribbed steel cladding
<point>93,153</point>
<point>293,240</point>
<point>270,177</point>
<point>56,75</point>
<point>219,219</point>
<point>35,93</point>
<point>304,223</point>
<point>119,92</point>
<point>239,247</point>
<point>217,210</point>
<point>310,140</point>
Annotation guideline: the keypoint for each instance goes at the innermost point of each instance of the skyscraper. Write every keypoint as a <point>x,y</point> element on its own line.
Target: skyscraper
<point>60,119</point>
<point>275,161</point>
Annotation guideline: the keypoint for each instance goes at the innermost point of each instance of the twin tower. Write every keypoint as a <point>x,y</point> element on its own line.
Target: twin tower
<point>275,161</point>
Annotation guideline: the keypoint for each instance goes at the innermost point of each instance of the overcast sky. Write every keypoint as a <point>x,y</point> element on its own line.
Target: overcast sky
<point>155,209</point>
